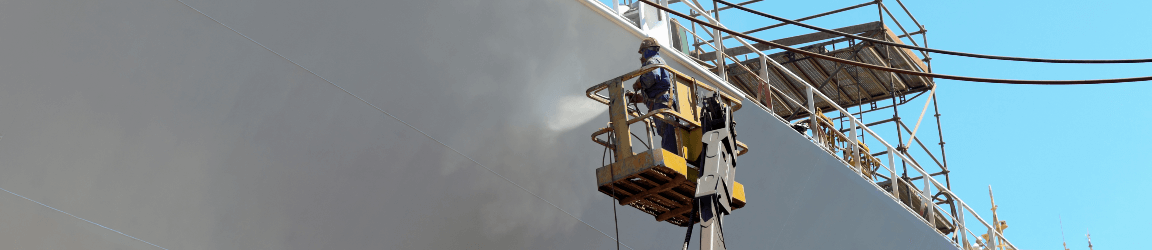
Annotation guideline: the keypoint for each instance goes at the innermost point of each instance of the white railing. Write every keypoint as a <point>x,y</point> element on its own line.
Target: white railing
<point>929,207</point>
<point>720,56</point>
<point>758,78</point>
<point>929,181</point>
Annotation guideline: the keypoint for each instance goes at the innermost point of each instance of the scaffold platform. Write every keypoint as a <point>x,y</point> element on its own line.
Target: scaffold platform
<point>849,86</point>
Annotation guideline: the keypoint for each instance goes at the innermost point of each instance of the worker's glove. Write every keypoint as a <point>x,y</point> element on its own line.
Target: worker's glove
<point>636,86</point>
<point>634,98</point>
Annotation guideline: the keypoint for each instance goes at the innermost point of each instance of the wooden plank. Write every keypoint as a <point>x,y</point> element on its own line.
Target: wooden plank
<point>905,60</point>
<point>801,39</point>
<point>667,203</point>
<point>907,52</point>
<point>828,75</point>
<point>668,215</point>
<point>646,180</point>
<point>619,191</point>
<point>893,78</point>
<point>681,196</point>
<point>631,185</point>
<point>646,193</point>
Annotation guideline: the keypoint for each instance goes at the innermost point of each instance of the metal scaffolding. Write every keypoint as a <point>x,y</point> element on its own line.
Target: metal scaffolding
<point>815,94</point>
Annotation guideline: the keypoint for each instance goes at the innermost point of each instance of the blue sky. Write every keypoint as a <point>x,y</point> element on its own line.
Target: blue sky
<point>1076,152</point>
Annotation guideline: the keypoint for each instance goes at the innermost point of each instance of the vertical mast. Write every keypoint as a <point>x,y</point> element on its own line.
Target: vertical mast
<point>992,241</point>
<point>1089,240</point>
<point>1062,234</point>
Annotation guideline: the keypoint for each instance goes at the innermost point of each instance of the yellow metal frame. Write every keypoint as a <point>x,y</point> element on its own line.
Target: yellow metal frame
<point>685,94</point>
<point>657,181</point>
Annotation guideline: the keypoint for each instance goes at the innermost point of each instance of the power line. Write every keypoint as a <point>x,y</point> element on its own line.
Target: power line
<point>895,70</point>
<point>405,123</point>
<point>85,220</point>
<point>78,217</point>
<point>1007,58</point>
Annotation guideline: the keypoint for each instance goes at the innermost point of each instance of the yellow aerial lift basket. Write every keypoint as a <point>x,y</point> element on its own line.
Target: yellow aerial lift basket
<point>656,181</point>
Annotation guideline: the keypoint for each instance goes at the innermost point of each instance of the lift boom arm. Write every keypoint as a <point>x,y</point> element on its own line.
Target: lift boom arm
<point>714,187</point>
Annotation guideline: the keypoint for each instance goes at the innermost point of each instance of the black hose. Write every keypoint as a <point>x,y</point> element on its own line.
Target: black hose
<point>611,185</point>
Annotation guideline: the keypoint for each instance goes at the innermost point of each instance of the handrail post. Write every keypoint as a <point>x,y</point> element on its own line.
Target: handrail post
<point>992,245</point>
<point>765,92</point>
<point>640,19</point>
<point>720,70</point>
<point>855,150</point>
<point>961,229</point>
<point>660,15</point>
<point>813,125</point>
<point>994,238</point>
<point>927,203</point>
<point>616,6</point>
<point>892,170</point>
<point>764,68</point>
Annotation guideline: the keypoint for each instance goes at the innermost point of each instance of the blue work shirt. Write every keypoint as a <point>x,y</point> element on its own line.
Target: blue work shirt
<point>657,81</point>
<point>655,85</point>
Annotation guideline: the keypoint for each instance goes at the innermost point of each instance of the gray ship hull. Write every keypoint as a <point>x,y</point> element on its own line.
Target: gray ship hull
<point>360,124</point>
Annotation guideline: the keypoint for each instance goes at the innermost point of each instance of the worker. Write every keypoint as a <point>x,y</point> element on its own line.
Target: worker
<point>654,87</point>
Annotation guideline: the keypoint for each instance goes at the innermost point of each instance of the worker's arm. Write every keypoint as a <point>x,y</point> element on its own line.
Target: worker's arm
<point>634,97</point>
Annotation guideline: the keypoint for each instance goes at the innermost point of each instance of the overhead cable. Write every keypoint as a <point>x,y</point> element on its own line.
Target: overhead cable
<point>900,71</point>
<point>1007,58</point>
<point>85,220</point>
